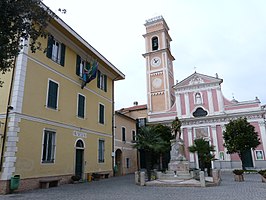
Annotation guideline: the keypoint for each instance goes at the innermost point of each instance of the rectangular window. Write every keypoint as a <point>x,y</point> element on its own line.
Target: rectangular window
<point>52,99</point>
<point>56,50</point>
<point>48,149</point>
<point>102,81</point>
<point>123,134</point>
<point>101,151</point>
<point>101,114</point>
<point>133,136</point>
<point>127,162</point>
<point>141,122</point>
<point>81,106</point>
<point>80,65</point>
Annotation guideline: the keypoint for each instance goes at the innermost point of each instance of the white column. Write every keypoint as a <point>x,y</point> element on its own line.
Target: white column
<point>220,100</point>
<point>178,104</point>
<point>190,142</point>
<point>210,101</point>
<point>187,105</point>
<point>263,136</point>
<point>227,157</point>
<point>215,141</point>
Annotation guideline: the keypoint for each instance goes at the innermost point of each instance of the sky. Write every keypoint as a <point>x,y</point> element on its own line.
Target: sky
<point>227,37</point>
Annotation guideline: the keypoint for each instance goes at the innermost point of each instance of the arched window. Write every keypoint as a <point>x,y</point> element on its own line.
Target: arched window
<point>155,44</point>
<point>79,144</point>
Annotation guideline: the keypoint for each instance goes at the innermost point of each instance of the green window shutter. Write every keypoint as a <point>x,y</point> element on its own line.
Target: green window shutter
<point>99,79</point>
<point>50,46</point>
<point>101,113</point>
<point>62,56</point>
<point>78,65</point>
<point>105,83</point>
<point>81,106</point>
<point>52,95</point>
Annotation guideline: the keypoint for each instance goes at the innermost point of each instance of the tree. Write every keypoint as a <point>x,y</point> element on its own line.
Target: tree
<point>239,137</point>
<point>165,133</point>
<point>150,139</point>
<point>21,20</point>
<point>204,149</point>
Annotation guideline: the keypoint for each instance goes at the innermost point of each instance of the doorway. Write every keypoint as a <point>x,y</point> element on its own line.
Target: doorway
<point>79,158</point>
<point>118,162</point>
<point>247,159</point>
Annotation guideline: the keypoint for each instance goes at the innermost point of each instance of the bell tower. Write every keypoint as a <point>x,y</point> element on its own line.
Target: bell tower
<point>159,70</point>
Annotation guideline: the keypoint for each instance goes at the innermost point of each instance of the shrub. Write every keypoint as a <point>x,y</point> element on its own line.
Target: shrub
<point>238,171</point>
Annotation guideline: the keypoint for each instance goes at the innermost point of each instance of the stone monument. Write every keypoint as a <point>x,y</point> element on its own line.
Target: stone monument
<point>178,168</point>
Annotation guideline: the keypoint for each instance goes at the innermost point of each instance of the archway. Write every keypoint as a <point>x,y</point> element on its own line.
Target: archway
<point>118,162</point>
<point>79,158</point>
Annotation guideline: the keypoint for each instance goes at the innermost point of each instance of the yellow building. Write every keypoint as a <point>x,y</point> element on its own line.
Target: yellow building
<point>125,135</point>
<point>51,124</point>
<point>127,123</point>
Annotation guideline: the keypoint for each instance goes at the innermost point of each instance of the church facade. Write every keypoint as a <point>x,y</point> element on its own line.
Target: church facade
<point>197,101</point>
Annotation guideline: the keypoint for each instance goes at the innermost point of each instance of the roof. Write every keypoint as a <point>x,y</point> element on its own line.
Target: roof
<point>134,108</point>
<point>119,74</point>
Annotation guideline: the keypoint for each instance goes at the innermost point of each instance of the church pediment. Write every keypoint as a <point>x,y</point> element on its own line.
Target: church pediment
<point>198,79</point>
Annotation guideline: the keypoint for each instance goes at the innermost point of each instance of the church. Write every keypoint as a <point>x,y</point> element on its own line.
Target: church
<point>197,101</point>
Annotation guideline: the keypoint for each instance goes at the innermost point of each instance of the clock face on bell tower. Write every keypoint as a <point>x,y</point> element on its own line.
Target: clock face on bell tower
<point>159,66</point>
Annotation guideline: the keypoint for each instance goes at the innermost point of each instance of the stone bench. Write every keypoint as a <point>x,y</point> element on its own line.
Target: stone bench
<point>49,182</point>
<point>100,175</point>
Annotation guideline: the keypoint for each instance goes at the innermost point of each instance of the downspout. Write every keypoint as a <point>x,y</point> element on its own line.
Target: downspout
<point>8,108</point>
<point>113,125</point>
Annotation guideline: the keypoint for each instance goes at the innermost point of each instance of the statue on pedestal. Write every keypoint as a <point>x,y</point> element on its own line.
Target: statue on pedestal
<point>177,144</point>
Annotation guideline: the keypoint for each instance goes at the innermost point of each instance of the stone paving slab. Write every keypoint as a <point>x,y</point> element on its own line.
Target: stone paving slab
<point>124,188</point>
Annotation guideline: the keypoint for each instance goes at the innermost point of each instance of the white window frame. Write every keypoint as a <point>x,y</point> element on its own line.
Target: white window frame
<point>99,113</point>
<point>56,51</point>
<point>102,159</point>
<point>47,94</point>
<point>46,161</point>
<point>79,94</point>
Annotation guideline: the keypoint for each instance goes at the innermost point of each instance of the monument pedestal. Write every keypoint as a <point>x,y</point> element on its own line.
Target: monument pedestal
<point>178,168</point>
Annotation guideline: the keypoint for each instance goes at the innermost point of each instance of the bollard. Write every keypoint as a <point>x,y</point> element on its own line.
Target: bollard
<point>202,179</point>
<point>142,178</point>
<point>137,177</point>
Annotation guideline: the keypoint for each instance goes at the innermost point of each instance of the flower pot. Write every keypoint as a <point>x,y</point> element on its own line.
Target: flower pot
<point>239,178</point>
<point>263,179</point>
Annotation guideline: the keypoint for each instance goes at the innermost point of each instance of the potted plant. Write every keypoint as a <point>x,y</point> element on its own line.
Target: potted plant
<point>238,174</point>
<point>263,175</point>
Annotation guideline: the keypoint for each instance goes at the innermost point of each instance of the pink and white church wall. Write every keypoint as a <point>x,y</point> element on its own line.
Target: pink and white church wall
<point>204,112</point>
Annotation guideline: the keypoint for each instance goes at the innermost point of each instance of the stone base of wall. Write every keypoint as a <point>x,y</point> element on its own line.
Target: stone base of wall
<point>30,183</point>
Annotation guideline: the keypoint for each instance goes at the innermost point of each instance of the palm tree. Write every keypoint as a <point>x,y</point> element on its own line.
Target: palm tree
<point>204,150</point>
<point>150,142</point>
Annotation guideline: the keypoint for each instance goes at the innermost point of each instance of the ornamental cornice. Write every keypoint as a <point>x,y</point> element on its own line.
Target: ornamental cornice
<point>220,119</point>
<point>189,88</point>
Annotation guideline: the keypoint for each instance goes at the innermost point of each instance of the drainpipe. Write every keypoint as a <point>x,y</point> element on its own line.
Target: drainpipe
<point>8,108</point>
<point>113,126</point>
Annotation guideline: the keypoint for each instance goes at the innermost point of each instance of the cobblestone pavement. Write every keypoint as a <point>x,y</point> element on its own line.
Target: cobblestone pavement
<point>123,188</point>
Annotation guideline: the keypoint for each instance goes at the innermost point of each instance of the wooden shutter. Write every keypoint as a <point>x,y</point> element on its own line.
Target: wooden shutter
<point>78,65</point>
<point>101,113</point>
<point>99,79</point>
<point>105,83</point>
<point>62,56</point>
<point>52,95</point>
<point>50,46</point>
<point>81,106</point>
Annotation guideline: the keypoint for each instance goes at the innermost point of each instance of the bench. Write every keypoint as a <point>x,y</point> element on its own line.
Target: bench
<point>49,182</point>
<point>100,175</point>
